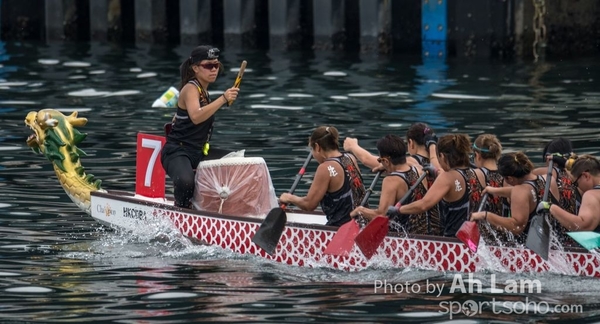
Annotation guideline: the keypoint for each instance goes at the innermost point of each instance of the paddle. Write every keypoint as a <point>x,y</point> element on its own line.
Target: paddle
<point>469,231</point>
<point>369,239</point>
<point>538,237</point>
<point>589,240</point>
<point>238,79</point>
<point>343,240</point>
<point>268,234</point>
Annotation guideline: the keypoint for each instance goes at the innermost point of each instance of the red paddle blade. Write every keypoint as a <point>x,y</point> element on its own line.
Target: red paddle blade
<point>469,234</point>
<point>343,240</point>
<point>372,236</point>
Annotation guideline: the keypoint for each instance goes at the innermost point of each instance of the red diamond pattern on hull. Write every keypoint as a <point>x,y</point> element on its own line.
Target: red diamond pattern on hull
<point>302,245</point>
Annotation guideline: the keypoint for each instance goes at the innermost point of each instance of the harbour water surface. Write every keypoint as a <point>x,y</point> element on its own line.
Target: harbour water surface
<point>58,265</point>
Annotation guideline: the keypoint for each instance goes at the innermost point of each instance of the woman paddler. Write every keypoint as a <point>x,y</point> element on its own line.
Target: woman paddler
<point>187,142</point>
<point>337,185</point>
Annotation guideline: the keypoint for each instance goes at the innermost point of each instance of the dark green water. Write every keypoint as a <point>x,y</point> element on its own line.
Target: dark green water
<point>57,265</point>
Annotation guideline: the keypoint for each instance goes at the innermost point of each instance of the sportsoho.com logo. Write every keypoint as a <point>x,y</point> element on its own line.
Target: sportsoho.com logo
<point>472,307</point>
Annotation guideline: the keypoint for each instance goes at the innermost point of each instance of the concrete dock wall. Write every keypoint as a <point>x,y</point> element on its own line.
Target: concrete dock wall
<point>461,28</point>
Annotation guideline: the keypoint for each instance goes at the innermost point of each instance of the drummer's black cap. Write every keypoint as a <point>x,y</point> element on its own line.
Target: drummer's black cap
<point>204,52</point>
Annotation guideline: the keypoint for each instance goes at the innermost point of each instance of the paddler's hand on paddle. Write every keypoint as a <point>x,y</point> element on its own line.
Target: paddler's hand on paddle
<point>286,198</point>
<point>350,143</point>
<point>360,211</point>
<point>394,211</point>
<point>558,158</point>
<point>482,215</point>
<point>543,206</point>
<point>431,170</point>
<point>430,139</point>
<point>230,95</point>
<point>490,190</point>
<point>378,168</point>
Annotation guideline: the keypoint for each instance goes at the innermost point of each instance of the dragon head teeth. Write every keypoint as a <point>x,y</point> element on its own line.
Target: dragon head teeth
<point>32,141</point>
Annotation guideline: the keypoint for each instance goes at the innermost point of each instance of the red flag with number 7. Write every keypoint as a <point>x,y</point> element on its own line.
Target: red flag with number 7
<point>149,173</point>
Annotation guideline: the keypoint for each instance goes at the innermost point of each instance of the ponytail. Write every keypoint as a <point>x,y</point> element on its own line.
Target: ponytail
<point>515,164</point>
<point>326,136</point>
<point>571,161</point>
<point>417,133</point>
<point>187,74</point>
<point>456,149</point>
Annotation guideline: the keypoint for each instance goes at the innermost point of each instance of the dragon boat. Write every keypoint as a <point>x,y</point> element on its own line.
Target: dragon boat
<point>215,220</point>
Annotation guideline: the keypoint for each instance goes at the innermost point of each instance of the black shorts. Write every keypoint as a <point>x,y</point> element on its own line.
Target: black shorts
<point>195,156</point>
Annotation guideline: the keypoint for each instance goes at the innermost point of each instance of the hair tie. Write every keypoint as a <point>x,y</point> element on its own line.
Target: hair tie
<point>327,133</point>
<point>571,161</point>
<point>483,150</point>
<point>426,130</point>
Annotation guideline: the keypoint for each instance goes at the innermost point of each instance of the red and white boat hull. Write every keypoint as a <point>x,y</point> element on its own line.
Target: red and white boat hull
<point>305,238</point>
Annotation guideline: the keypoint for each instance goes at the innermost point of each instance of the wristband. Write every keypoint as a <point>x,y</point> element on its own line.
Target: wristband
<point>226,101</point>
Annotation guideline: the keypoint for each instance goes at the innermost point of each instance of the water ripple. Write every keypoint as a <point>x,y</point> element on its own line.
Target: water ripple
<point>57,261</point>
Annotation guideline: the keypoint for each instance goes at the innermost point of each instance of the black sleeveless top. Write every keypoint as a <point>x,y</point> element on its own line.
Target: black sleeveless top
<point>538,186</point>
<point>497,205</point>
<point>338,205</point>
<point>421,159</point>
<point>569,199</point>
<point>356,181</point>
<point>434,212</point>
<point>455,213</point>
<point>414,224</point>
<point>185,132</point>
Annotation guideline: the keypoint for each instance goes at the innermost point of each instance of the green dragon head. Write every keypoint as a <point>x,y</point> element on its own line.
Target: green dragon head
<point>55,137</point>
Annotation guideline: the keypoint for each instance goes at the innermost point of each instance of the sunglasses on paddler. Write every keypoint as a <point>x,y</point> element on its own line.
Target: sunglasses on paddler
<point>576,182</point>
<point>210,66</point>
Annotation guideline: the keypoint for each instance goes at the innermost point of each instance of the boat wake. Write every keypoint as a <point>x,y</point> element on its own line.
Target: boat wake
<point>160,240</point>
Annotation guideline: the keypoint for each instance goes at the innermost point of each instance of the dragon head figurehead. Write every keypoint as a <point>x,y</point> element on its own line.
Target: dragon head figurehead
<point>56,138</point>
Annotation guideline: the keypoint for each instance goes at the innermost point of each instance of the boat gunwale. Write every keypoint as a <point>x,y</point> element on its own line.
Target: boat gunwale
<point>128,196</point>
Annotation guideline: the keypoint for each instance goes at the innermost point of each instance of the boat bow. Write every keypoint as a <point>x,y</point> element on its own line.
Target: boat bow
<point>55,136</point>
